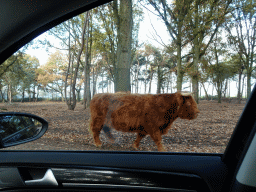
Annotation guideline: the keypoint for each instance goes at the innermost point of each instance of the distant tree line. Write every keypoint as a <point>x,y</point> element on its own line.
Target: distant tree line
<point>212,42</point>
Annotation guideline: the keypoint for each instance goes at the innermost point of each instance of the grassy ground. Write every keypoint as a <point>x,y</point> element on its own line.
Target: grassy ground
<point>69,130</point>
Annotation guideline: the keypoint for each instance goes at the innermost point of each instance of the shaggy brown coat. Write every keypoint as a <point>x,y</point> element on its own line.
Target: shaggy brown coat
<point>143,114</point>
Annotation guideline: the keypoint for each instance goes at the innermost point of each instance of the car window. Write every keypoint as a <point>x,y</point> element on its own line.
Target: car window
<point>180,74</point>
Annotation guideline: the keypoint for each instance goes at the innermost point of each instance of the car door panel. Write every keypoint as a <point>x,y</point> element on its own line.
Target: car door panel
<point>123,170</point>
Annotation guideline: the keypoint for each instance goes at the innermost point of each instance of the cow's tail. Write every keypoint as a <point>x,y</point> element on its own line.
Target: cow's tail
<point>108,133</point>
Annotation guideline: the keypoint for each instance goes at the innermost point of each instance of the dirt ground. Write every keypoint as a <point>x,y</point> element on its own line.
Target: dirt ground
<point>69,130</point>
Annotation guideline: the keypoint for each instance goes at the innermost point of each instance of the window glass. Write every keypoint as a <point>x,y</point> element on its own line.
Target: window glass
<point>144,52</point>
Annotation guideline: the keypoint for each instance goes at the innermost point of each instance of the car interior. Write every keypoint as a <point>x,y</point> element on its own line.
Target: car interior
<point>232,170</point>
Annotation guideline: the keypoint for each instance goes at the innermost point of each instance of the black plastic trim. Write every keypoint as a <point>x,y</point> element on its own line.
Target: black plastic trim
<point>240,139</point>
<point>242,131</point>
<point>86,5</point>
<point>241,187</point>
<point>209,167</point>
<point>125,187</point>
<point>130,178</point>
<point>10,177</point>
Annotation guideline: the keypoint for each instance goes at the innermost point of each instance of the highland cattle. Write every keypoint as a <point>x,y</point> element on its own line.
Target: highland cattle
<point>144,114</point>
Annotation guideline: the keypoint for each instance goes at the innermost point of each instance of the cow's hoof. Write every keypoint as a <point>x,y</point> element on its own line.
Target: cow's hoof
<point>135,147</point>
<point>162,150</point>
<point>98,145</point>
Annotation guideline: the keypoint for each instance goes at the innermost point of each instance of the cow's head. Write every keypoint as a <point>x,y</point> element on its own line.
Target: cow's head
<point>188,106</point>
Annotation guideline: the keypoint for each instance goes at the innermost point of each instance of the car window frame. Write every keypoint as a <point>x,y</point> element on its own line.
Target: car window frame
<point>237,145</point>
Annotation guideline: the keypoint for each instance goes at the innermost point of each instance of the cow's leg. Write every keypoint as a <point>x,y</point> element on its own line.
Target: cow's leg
<point>137,141</point>
<point>96,126</point>
<point>156,136</point>
<point>96,137</point>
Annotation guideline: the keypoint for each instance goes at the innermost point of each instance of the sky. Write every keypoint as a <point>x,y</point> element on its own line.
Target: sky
<point>41,53</point>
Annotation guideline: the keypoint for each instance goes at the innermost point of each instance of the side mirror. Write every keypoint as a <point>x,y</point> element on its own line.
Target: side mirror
<point>18,128</point>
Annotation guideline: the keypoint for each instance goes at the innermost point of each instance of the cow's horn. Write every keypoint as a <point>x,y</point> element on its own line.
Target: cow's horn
<point>186,93</point>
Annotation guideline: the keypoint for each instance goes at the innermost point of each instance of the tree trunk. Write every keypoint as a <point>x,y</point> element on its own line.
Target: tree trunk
<point>10,93</point>
<point>66,82</point>
<point>23,96</point>
<point>2,95</point>
<point>86,68</point>
<point>226,87</point>
<point>219,91</point>
<point>124,36</point>
<point>196,56</point>
<point>239,86</point>
<point>150,80</point>
<point>37,95</point>
<point>88,90</point>
<point>249,74</point>
<point>179,68</point>
<point>94,86</point>
<point>3,100</point>
<point>243,86</point>
<point>145,79</point>
<point>171,82</point>
<point>78,95</point>
<point>206,94</point>
<point>159,79</point>
<point>94,81</point>
<point>109,86</point>
<point>70,60</point>
<point>34,94</point>
<point>137,77</point>
<point>168,82</point>
<point>78,62</point>
<point>195,74</point>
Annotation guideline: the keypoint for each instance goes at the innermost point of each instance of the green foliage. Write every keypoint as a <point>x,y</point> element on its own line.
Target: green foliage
<point>19,74</point>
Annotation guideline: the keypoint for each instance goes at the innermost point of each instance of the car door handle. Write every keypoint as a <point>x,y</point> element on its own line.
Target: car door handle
<point>47,180</point>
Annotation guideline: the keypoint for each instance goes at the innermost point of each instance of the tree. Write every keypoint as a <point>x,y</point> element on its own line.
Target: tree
<point>87,64</point>
<point>239,66</point>
<point>19,73</point>
<point>71,35</point>
<point>149,55</point>
<point>105,38</point>
<point>138,63</point>
<point>219,68</point>
<point>190,22</point>
<point>123,15</point>
<point>110,21</point>
<point>242,35</point>
<point>174,15</point>
<point>29,66</point>
<point>204,20</point>
<point>51,75</point>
